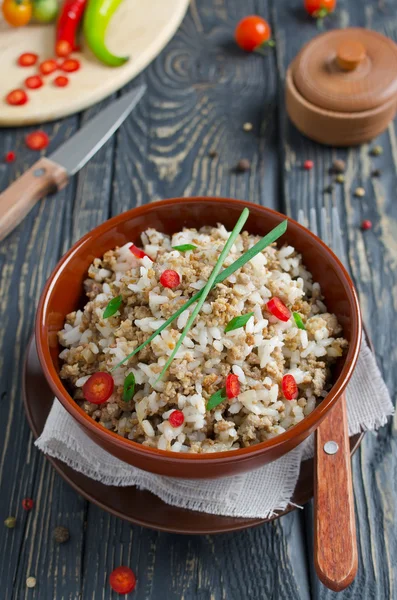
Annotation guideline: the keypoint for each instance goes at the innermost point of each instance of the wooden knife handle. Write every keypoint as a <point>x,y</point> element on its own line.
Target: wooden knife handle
<point>20,197</point>
<point>335,542</point>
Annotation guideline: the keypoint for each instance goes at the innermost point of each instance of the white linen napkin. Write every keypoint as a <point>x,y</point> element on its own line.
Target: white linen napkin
<point>256,494</point>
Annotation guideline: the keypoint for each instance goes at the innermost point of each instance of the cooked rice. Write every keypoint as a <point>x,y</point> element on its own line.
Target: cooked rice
<point>259,354</point>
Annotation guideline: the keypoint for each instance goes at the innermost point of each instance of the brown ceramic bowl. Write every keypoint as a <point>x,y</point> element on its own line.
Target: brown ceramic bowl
<point>64,292</point>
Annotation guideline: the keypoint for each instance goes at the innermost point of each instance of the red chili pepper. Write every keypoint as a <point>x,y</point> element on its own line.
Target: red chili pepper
<point>290,388</point>
<point>10,157</point>
<point>27,59</point>
<point>27,503</point>
<point>37,140</point>
<point>48,66</point>
<point>278,309</point>
<point>170,279</point>
<point>98,388</point>
<point>176,418</point>
<point>34,82</point>
<point>232,386</point>
<point>138,252</point>
<point>61,81</point>
<point>68,22</point>
<point>366,224</point>
<point>17,97</point>
<point>69,65</point>
<point>122,580</point>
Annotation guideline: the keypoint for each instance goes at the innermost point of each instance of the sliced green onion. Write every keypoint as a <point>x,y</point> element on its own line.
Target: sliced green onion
<point>267,240</point>
<point>216,399</point>
<point>208,286</point>
<point>184,247</point>
<point>129,387</point>
<point>238,322</point>
<point>298,320</point>
<point>112,307</point>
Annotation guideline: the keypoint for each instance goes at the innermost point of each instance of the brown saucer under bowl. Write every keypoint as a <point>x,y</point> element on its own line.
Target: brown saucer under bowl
<point>63,293</point>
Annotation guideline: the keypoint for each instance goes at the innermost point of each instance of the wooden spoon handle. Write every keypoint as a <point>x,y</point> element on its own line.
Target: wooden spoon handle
<point>20,197</point>
<point>335,542</point>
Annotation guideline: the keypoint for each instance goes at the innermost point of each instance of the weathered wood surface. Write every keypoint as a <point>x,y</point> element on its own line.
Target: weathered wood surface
<point>201,90</point>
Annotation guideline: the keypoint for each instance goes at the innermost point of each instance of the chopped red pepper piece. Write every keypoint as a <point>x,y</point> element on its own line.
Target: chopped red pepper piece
<point>138,252</point>
<point>63,48</point>
<point>122,580</point>
<point>232,386</point>
<point>27,503</point>
<point>61,81</point>
<point>290,388</point>
<point>98,388</point>
<point>10,157</point>
<point>366,224</point>
<point>278,309</point>
<point>176,418</point>
<point>48,66</point>
<point>37,140</point>
<point>170,279</point>
<point>69,65</point>
<point>34,82</point>
<point>17,97</point>
<point>27,59</point>
<point>308,165</point>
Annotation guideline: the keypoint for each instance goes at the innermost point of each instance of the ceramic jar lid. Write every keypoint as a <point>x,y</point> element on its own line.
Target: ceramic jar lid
<point>347,70</point>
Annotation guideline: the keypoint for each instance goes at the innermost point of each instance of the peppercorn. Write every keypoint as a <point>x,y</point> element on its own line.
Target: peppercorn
<point>27,503</point>
<point>308,165</point>
<point>31,582</point>
<point>10,157</point>
<point>340,178</point>
<point>359,192</point>
<point>243,165</point>
<point>61,534</point>
<point>10,522</point>
<point>338,166</point>
<point>376,173</point>
<point>247,126</point>
<point>328,189</point>
<point>376,150</point>
<point>212,153</point>
<point>366,224</point>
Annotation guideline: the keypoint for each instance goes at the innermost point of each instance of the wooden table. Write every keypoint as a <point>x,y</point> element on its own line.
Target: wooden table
<point>201,90</point>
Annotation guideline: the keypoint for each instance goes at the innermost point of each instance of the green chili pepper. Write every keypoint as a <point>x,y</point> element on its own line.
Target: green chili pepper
<point>96,19</point>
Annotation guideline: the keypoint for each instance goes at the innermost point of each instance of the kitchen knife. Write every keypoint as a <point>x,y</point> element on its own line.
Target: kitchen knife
<point>53,172</point>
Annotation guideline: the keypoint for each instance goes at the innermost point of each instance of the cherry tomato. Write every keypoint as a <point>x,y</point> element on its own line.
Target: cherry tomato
<point>278,309</point>
<point>252,33</point>
<point>232,386</point>
<point>176,418</point>
<point>48,66</point>
<point>290,388</point>
<point>170,279</point>
<point>37,140</point>
<point>122,580</point>
<point>34,82</point>
<point>319,8</point>
<point>63,48</point>
<point>61,81</point>
<point>17,12</point>
<point>69,65</point>
<point>98,388</point>
<point>17,97</point>
<point>27,59</point>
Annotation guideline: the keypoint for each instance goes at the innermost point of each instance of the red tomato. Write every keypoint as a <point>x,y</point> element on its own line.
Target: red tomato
<point>319,8</point>
<point>27,59</point>
<point>252,32</point>
<point>170,279</point>
<point>278,309</point>
<point>232,386</point>
<point>34,82</point>
<point>69,65</point>
<point>48,66</point>
<point>290,388</point>
<point>61,81</point>
<point>176,418</point>
<point>98,388</point>
<point>122,580</point>
<point>138,252</point>
<point>63,48</point>
<point>17,97</point>
<point>17,12</point>
<point>37,140</point>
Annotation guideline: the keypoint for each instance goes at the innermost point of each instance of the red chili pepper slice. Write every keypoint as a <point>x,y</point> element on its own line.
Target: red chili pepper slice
<point>69,65</point>
<point>63,48</point>
<point>37,140</point>
<point>17,97</point>
<point>98,388</point>
<point>61,81</point>
<point>232,386</point>
<point>67,25</point>
<point>176,418</point>
<point>170,279</point>
<point>138,252</point>
<point>27,59</point>
<point>290,388</point>
<point>48,66</point>
<point>34,82</point>
<point>122,580</point>
<point>10,157</point>
<point>27,503</point>
<point>278,309</point>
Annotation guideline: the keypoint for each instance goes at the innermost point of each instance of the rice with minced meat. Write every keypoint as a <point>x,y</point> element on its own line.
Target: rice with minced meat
<point>259,353</point>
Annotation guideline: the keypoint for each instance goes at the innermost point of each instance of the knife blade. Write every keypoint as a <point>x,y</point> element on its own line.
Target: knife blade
<point>20,197</point>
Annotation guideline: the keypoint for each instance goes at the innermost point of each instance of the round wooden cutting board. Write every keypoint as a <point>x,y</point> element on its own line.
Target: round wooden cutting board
<point>139,29</point>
